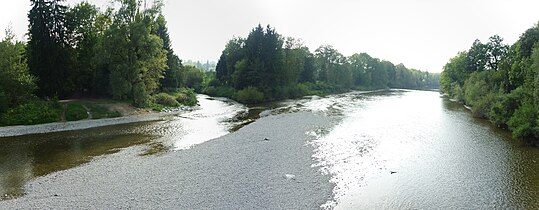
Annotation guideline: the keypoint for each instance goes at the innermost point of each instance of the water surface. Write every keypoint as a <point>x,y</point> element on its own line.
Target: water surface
<point>23,158</point>
<point>383,150</point>
<point>415,149</point>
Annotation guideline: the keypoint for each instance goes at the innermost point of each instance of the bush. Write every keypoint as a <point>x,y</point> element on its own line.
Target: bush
<point>34,112</point>
<point>250,95</point>
<point>297,90</point>
<point>187,97</point>
<point>220,91</point>
<point>482,106</point>
<point>76,112</point>
<point>166,100</point>
<point>502,109</point>
<point>100,112</point>
<point>458,93</point>
<point>3,102</point>
<point>141,98</point>
<point>523,123</point>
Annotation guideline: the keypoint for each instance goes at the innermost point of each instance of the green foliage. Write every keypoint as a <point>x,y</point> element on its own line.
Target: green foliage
<point>16,83</point>
<point>187,97</point>
<point>33,112</point>
<point>291,71</point>
<point>75,111</point>
<point>49,50</point>
<point>84,29</point>
<point>141,98</point>
<point>499,82</point>
<point>193,77</point>
<point>166,100</point>
<point>174,73</point>
<point>250,95</point>
<point>100,112</point>
<point>523,123</point>
<point>137,59</point>
<point>220,91</point>
<point>503,107</point>
<point>3,102</point>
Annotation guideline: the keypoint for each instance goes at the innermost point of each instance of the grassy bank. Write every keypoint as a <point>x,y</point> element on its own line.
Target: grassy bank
<point>39,111</point>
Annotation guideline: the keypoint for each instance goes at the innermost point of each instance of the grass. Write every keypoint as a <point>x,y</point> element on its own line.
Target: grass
<point>100,112</point>
<point>75,111</point>
<point>79,111</point>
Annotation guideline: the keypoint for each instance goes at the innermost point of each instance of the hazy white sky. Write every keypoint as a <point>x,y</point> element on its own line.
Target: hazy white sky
<point>422,34</point>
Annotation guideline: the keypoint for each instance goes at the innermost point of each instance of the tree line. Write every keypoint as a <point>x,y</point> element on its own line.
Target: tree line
<point>499,82</point>
<point>123,52</point>
<point>266,66</point>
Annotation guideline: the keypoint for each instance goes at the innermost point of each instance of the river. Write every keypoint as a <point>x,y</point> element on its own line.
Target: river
<point>380,150</point>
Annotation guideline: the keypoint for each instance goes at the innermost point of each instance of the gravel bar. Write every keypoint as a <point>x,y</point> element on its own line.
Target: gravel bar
<point>20,130</point>
<point>265,165</point>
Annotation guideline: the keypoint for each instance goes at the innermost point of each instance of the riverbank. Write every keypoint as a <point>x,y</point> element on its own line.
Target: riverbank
<point>265,165</point>
<point>10,131</point>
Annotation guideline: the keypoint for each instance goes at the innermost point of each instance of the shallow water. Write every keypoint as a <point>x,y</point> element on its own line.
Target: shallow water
<point>386,150</point>
<point>26,157</point>
<point>414,149</point>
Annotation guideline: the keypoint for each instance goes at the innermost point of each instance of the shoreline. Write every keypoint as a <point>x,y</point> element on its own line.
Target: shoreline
<point>21,130</point>
<point>240,170</point>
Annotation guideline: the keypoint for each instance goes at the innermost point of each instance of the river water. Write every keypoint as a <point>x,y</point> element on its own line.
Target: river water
<point>385,150</point>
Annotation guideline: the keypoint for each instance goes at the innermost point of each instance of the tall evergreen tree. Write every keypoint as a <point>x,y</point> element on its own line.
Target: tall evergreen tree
<point>174,75</point>
<point>49,55</point>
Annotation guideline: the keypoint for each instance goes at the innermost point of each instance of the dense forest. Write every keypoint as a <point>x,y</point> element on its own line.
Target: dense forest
<point>499,82</point>
<point>266,66</point>
<point>123,53</point>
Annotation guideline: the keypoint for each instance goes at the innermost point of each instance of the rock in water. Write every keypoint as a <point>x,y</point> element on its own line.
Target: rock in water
<point>289,176</point>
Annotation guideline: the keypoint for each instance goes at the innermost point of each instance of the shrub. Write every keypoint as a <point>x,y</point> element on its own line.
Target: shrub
<point>75,112</point>
<point>502,109</point>
<point>523,123</point>
<point>34,112</point>
<point>3,102</point>
<point>166,100</point>
<point>141,98</point>
<point>297,90</point>
<point>226,91</point>
<point>100,112</point>
<point>482,106</point>
<point>187,97</point>
<point>458,93</point>
<point>250,95</point>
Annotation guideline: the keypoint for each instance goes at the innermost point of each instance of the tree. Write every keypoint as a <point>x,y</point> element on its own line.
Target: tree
<point>520,58</point>
<point>49,55</point>
<point>173,74</point>
<point>137,58</point>
<point>295,60</point>
<point>193,77</point>
<point>363,67</point>
<point>309,69</point>
<point>16,83</point>
<point>221,70</point>
<point>83,35</point>
<point>495,52</point>
<point>232,54</point>
<point>454,73</point>
<point>327,60</point>
<point>477,57</point>
<point>262,65</point>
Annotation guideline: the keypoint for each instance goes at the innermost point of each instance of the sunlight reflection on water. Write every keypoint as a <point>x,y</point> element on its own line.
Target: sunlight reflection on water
<point>404,149</point>
<point>208,122</point>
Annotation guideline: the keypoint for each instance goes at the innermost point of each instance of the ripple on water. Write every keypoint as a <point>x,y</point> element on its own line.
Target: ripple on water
<point>409,149</point>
